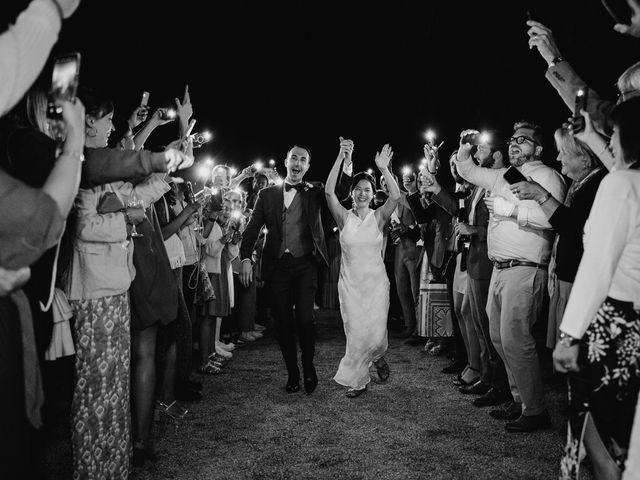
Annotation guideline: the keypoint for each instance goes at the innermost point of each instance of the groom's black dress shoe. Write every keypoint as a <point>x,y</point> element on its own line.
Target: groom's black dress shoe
<point>293,386</point>
<point>310,382</point>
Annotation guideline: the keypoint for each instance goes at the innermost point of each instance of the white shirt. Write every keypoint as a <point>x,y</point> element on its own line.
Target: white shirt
<point>610,264</point>
<point>289,196</point>
<point>530,236</point>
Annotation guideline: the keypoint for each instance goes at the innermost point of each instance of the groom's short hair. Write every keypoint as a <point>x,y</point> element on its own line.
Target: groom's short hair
<point>297,145</point>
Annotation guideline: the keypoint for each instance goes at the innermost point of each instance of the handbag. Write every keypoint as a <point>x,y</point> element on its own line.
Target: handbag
<point>204,289</point>
<point>433,307</point>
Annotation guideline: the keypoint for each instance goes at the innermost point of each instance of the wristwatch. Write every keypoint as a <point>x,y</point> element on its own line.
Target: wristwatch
<point>567,340</point>
<point>555,61</point>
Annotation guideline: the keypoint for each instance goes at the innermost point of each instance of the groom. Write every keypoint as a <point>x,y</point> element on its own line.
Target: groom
<point>294,248</point>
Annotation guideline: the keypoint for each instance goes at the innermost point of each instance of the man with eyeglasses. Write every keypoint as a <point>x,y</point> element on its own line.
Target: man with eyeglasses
<point>519,240</point>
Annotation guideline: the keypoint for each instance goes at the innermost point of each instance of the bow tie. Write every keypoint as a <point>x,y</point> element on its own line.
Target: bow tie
<point>298,186</point>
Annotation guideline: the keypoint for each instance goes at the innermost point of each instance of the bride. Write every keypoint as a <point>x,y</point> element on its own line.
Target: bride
<point>363,286</point>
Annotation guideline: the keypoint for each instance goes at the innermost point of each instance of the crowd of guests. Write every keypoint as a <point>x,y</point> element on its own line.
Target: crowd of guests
<point>108,255</point>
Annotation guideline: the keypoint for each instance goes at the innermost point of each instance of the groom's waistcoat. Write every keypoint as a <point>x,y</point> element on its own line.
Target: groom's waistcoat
<point>296,234</point>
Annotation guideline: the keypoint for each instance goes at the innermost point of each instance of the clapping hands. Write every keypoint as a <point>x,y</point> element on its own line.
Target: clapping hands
<point>383,158</point>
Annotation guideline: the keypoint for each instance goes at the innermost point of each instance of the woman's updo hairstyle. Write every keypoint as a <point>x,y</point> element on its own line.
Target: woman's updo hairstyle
<point>363,176</point>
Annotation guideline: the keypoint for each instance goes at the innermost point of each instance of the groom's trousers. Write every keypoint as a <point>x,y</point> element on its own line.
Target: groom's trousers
<point>293,284</point>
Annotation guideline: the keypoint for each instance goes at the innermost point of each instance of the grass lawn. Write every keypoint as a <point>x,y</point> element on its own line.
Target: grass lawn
<point>416,426</point>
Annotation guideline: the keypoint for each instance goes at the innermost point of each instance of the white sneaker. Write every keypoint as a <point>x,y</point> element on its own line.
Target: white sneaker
<point>224,353</point>
<point>258,328</point>
<point>256,335</point>
<point>229,347</point>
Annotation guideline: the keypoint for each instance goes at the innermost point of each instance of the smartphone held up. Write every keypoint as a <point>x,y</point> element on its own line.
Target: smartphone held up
<point>579,105</point>
<point>64,83</point>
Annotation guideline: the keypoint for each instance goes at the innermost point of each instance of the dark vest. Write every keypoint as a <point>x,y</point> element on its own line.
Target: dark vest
<point>296,234</point>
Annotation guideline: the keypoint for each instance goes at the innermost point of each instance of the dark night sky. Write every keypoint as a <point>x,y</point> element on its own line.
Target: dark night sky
<point>264,75</point>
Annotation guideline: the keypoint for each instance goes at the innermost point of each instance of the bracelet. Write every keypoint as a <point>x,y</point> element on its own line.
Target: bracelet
<point>60,12</point>
<point>567,340</point>
<point>546,197</point>
<point>73,154</point>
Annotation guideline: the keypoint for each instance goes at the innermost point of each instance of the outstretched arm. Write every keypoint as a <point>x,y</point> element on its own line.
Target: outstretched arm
<point>563,77</point>
<point>383,160</point>
<point>338,212</point>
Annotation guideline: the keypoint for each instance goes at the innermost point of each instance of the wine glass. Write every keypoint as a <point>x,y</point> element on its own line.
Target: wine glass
<point>135,202</point>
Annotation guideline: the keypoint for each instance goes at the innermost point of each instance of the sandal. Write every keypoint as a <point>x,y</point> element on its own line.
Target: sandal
<point>210,369</point>
<point>353,393</point>
<point>173,410</point>
<point>382,368</point>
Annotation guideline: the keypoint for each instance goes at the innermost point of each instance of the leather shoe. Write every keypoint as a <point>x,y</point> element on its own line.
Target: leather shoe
<point>508,411</point>
<point>453,367</point>
<point>293,386</point>
<point>477,388</point>
<point>529,423</point>
<point>310,381</point>
<point>495,396</point>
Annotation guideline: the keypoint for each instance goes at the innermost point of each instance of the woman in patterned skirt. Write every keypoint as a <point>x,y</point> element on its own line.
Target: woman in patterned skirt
<point>600,331</point>
<point>100,275</point>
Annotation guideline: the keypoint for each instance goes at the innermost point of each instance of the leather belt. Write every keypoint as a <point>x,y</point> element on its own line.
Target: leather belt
<point>517,263</point>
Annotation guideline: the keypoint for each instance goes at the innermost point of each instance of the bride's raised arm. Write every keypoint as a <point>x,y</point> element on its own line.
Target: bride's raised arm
<point>338,211</point>
<point>383,160</point>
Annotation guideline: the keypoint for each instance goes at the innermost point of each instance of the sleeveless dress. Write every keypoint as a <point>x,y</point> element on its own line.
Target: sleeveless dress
<point>363,288</point>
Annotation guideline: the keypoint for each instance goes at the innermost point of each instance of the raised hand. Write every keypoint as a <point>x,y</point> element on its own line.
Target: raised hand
<point>427,183</point>
<point>184,109</point>
<point>465,145</point>
<point>68,7</point>
<point>159,116</point>
<point>431,154</point>
<point>383,158</point>
<point>138,116</point>
<point>541,37</point>
<point>346,149</point>
<point>73,115</point>
<point>410,183</point>
<point>633,28</point>
<point>587,132</point>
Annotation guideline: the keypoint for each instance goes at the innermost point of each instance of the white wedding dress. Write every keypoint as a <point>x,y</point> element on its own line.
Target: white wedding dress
<point>363,288</point>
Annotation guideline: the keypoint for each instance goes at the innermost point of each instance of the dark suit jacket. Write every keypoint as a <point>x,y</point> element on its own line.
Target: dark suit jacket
<point>435,227</point>
<point>569,222</point>
<point>479,266</point>
<point>566,81</point>
<point>268,212</point>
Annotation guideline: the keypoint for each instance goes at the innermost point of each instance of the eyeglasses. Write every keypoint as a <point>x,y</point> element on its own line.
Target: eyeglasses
<point>520,139</point>
<point>626,95</point>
